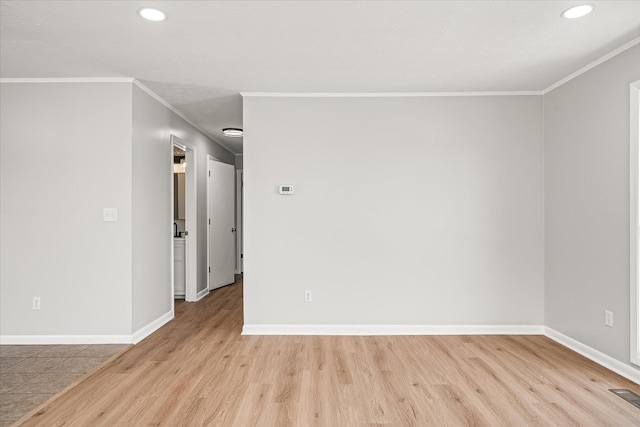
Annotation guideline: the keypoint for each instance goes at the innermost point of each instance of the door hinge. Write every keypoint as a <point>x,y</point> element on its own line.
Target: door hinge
<point>209,221</point>
<point>241,255</point>
<point>209,174</point>
<point>209,269</point>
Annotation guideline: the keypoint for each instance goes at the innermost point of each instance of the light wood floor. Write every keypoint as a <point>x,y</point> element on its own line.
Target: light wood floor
<point>198,370</point>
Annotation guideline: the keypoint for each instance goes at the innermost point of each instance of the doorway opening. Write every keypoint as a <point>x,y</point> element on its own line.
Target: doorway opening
<point>179,222</point>
<point>184,221</point>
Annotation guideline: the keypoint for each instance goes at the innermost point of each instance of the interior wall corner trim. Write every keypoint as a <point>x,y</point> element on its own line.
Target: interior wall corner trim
<point>64,339</point>
<point>593,64</point>
<point>374,330</point>
<point>69,80</point>
<point>151,327</point>
<point>591,353</point>
<point>384,94</point>
<point>157,97</point>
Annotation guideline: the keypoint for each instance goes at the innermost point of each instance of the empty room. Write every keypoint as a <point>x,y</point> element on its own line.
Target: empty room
<point>331,213</point>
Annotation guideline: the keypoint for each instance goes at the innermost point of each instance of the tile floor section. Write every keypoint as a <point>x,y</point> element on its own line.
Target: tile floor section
<point>31,374</point>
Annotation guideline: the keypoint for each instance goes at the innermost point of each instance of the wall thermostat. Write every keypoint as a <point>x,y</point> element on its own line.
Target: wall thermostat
<point>286,189</point>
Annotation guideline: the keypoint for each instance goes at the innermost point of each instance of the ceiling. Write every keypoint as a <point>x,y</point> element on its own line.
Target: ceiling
<point>207,52</point>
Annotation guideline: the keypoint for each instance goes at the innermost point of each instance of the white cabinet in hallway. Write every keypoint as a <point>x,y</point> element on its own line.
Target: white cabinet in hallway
<point>179,267</point>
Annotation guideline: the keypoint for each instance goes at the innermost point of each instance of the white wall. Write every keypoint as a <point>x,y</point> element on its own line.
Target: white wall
<point>587,205</point>
<point>54,243</point>
<point>152,209</point>
<point>408,210</point>
<point>98,281</point>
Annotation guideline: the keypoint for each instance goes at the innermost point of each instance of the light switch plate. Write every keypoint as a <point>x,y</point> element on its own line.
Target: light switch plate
<point>110,214</point>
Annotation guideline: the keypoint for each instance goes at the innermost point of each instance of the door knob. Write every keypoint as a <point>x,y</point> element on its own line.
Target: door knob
<point>233,230</point>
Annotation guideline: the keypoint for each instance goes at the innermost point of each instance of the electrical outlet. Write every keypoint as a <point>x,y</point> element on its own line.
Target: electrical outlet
<point>608,318</point>
<point>308,296</point>
<point>36,303</point>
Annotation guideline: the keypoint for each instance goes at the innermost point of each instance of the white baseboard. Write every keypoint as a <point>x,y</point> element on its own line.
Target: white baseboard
<point>602,359</point>
<point>64,339</point>
<point>203,293</point>
<point>150,328</point>
<point>627,371</point>
<point>88,339</point>
<point>392,330</point>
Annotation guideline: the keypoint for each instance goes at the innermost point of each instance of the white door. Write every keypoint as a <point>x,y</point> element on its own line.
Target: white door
<point>221,199</point>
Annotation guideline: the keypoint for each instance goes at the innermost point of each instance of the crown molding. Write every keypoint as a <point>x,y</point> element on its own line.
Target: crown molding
<point>116,80</point>
<point>69,80</point>
<point>178,113</point>
<point>592,65</point>
<point>384,94</point>
<point>559,83</point>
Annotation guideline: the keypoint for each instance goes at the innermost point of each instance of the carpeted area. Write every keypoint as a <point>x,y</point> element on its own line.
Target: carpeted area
<point>32,374</point>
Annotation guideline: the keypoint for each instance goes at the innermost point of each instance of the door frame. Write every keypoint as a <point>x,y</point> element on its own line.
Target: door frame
<point>209,158</point>
<point>239,256</point>
<point>191,219</point>
<point>634,148</point>
<point>209,183</point>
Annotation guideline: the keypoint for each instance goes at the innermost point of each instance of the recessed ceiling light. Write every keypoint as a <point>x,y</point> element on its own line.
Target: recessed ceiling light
<point>232,132</point>
<point>577,11</point>
<point>152,14</point>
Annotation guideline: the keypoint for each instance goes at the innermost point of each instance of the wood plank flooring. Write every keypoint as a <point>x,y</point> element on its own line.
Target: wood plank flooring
<point>199,371</point>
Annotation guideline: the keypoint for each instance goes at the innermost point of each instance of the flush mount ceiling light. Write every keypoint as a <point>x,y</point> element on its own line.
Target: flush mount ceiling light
<point>232,132</point>
<point>577,11</point>
<point>152,14</point>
